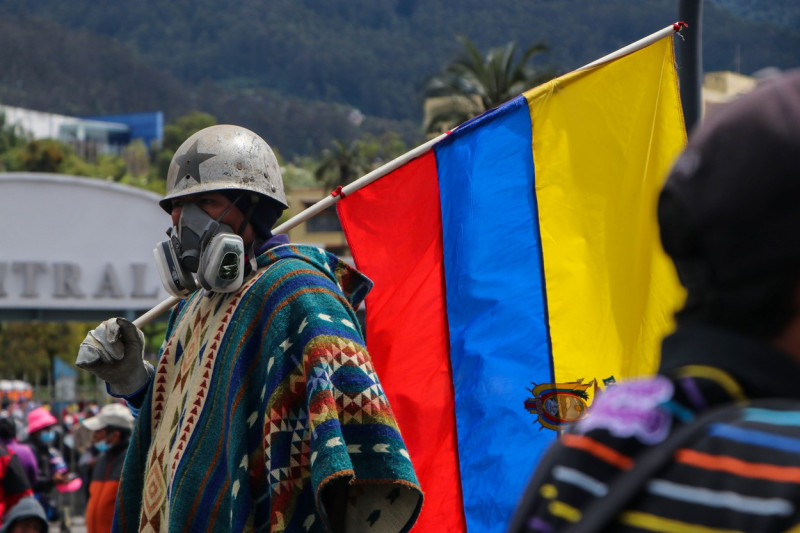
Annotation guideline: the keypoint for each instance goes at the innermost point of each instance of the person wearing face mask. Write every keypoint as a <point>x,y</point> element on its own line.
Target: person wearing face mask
<point>111,432</point>
<point>51,466</point>
<point>264,411</point>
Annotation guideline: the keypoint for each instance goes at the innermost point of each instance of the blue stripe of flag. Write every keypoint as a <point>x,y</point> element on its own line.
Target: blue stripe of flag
<point>495,308</point>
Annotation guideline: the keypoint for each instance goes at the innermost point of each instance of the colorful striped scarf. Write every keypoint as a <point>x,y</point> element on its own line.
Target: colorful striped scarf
<point>741,472</point>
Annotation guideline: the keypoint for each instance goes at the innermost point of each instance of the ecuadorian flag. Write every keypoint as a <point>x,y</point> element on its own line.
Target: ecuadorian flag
<point>518,272</point>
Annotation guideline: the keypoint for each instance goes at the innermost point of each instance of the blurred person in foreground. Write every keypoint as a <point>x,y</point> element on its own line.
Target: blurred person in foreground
<point>111,432</point>
<point>14,484</point>
<point>27,516</point>
<point>264,410</point>
<point>8,439</point>
<point>647,456</point>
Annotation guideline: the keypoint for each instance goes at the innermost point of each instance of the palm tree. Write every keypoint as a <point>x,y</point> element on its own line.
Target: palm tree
<point>342,164</point>
<point>477,83</point>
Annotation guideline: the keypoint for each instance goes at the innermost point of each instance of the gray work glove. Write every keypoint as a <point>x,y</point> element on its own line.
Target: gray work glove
<point>114,352</point>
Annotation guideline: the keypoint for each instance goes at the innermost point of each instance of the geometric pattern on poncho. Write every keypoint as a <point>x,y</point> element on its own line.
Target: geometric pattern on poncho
<point>262,399</point>
<point>179,397</point>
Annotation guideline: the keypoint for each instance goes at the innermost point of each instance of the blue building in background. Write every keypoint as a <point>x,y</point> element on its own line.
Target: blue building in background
<point>103,134</point>
<point>149,127</point>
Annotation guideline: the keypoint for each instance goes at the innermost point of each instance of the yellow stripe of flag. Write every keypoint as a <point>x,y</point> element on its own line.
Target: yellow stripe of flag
<point>601,152</point>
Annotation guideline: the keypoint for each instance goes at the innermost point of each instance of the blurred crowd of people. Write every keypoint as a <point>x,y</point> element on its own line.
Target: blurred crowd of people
<point>77,450</point>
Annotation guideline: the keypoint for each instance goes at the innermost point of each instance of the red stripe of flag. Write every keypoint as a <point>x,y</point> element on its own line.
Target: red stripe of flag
<point>406,265</point>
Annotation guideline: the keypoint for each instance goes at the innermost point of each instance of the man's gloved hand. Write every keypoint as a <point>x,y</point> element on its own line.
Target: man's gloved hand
<point>114,352</point>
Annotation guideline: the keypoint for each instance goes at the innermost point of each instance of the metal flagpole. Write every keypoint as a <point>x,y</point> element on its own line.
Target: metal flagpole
<point>313,210</point>
<point>166,304</point>
<point>352,187</point>
<point>690,61</point>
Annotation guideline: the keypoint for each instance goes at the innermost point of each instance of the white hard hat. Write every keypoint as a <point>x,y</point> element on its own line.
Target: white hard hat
<point>224,158</point>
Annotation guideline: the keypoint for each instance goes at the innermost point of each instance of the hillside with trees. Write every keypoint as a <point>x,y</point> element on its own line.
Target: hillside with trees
<point>304,72</point>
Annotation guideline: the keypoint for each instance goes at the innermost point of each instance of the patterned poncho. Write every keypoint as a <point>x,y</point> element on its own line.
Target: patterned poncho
<point>265,412</point>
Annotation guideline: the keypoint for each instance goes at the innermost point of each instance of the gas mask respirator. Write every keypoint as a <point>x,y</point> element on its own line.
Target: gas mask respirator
<point>200,252</point>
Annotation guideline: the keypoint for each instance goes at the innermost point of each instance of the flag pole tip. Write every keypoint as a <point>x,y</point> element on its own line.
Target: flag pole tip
<point>678,26</point>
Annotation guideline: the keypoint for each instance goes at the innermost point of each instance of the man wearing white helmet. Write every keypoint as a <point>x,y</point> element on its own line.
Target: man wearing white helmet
<point>111,431</point>
<point>264,411</point>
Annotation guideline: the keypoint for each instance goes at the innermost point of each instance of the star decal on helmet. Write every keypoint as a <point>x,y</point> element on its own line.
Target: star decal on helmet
<point>189,164</point>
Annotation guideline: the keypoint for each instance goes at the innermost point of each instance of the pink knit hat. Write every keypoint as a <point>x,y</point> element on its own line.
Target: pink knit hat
<point>40,418</point>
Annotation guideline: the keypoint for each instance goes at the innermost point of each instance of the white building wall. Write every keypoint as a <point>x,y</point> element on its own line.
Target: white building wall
<point>39,124</point>
<point>72,243</point>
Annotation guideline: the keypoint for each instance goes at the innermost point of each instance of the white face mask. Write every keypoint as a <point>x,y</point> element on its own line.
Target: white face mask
<point>200,245</point>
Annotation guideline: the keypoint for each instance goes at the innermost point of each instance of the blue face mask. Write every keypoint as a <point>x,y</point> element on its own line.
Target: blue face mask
<point>102,446</point>
<point>47,437</point>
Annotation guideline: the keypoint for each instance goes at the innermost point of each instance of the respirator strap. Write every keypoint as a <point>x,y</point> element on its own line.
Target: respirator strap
<point>227,210</point>
<point>247,214</point>
<point>250,265</point>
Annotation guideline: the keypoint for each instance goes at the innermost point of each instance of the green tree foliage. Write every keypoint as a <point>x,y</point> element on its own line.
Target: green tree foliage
<point>142,170</point>
<point>300,174</point>
<point>478,82</point>
<point>346,162</point>
<point>48,155</point>
<point>105,166</point>
<point>11,136</point>
<point>27,349</point>
<point>383,148</point>
<point>183,127</point>
<point>137,158</point>
<point>41,156</point>
<point>292,70</point>
<point>342,164</point>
